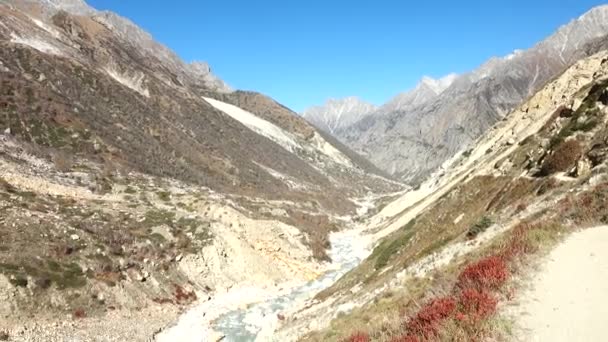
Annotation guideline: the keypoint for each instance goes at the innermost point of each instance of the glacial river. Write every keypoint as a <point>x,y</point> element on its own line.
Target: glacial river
<point>258,320</point>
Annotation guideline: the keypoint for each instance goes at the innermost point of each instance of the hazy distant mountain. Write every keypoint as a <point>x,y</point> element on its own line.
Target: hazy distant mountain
<point>427,89</point>
<point>338,113</point>
<point>409,140</point>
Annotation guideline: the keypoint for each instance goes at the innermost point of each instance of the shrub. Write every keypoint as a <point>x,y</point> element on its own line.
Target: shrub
<point>130,190</point>
<point>4,336</point>
<point>476,305</point>
<point>358,337</point>
<point>562,158</point>
<point>79,313</point>
<point>63,161</point>
<point>521,207</point>
<point>19,281</point>
<point>164,196</point>
<point>384,251</point>
<point>405,338</point>
<point>488,273</point>
<point>428,320</point>
<point>479,227</point>
<point>182,296</point>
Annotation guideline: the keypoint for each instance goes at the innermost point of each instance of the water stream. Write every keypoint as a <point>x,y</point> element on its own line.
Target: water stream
<point>348,250</point>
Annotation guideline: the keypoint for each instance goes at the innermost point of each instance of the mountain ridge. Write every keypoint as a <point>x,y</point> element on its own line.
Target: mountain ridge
<point>409,143</point>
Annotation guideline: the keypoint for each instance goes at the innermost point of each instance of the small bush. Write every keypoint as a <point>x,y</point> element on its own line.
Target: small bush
<point>562,158</point>
<point>521,207</point>
<point>358,337</point>
<point>164,196</point>
<point>405,338</point>
<point>4,336</point>
<point>63,161</point>
<point>476,305</point>
<point>488,273</point>
<point>479,227</point>
<point>79,313</point>
<point>428,320</point>
<point>130,190</point>
<point>182,296</point>
<point>19,281</point>
<point>383,252</point>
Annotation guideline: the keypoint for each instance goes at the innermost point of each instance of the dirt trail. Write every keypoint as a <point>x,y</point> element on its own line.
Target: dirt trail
<point>568,300</point>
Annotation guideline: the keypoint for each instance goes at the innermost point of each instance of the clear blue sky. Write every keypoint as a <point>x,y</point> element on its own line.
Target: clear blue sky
<point>304,52</point>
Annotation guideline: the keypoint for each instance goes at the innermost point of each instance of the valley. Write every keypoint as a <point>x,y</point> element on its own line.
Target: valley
<point>142,198</point>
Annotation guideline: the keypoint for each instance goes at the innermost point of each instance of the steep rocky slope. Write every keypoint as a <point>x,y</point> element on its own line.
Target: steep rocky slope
<point>133,184</point>
<point>445,252</point>
<point>410,142</point>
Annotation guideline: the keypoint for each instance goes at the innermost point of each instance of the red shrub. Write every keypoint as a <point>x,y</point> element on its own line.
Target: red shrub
<point>476,305</point>
<point>358,337</point>
<point>80,313</point>
<point>427,321</point>
<point>182,296</point>
<point>405,338</point>
<point>521,207</point>
<point>488,273</point>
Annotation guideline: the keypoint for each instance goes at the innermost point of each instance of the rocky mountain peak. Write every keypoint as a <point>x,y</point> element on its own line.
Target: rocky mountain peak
<point>438,85</point>
<point>338,113</point>
<point>201,67</point>
<point>78,7</point>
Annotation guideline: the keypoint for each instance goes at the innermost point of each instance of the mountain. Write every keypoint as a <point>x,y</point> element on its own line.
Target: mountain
<point>338,113</point>
<point>149,181</point>
<point>467,235</point>
<point>408,142</point>
<point>427,89</point>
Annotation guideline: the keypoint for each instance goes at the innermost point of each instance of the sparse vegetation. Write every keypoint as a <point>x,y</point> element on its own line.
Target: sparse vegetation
<point>383,252</point>
<point>63,161</point>
<point>563,158</point>
<point>479,227</point>
<point>164,196</point>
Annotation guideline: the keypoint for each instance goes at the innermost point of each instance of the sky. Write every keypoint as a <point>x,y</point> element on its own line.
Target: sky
<point>302,53</point>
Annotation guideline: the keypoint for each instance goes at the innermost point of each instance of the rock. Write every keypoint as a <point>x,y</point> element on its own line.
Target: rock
<point>7,131</point>
<point>179,257</point>
<point>216,337</point>
<point>510,142</point>
<point>583,167</point>
<point>74,237</point>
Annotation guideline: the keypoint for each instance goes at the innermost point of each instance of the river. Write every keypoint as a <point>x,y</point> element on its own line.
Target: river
<point>258,320</point>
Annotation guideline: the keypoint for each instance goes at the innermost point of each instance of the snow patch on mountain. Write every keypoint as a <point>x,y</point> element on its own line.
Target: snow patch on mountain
<point>315,145</point>
<point>256,124</point>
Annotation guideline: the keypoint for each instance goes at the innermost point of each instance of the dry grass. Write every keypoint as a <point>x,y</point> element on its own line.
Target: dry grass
<point>466,312</point>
